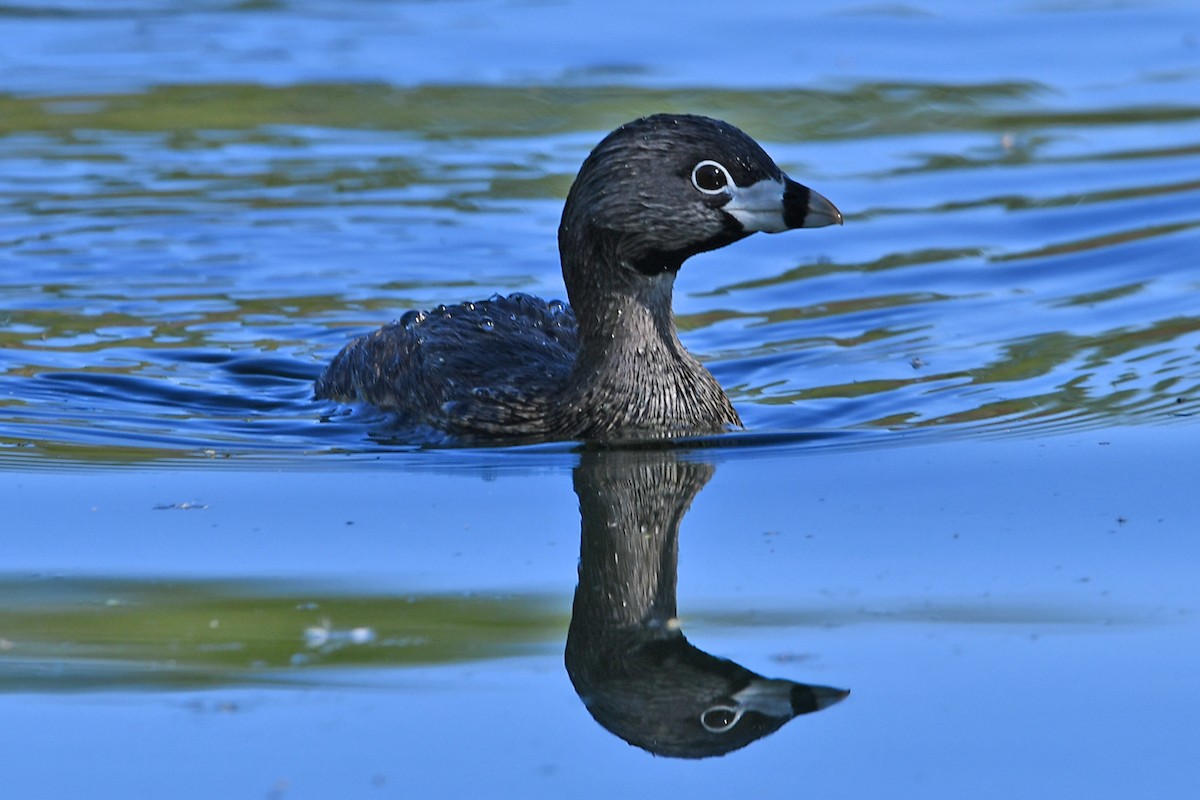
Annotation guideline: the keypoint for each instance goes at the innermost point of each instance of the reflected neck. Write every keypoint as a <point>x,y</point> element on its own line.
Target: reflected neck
<point>631,506</point>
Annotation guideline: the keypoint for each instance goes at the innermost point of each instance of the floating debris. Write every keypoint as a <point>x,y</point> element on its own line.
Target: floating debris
<point>327,638</point>
<point>185,506</point>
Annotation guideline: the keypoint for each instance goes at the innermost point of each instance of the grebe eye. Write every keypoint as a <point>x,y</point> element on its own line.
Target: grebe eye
<point>710,177</point>
<point>719,719</point>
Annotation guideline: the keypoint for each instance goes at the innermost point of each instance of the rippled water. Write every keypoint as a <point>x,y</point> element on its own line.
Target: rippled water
<point>971,411</point>
<point>180,261</point>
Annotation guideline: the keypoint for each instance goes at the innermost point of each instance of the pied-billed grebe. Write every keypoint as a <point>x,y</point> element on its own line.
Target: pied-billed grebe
<point>653,193</point>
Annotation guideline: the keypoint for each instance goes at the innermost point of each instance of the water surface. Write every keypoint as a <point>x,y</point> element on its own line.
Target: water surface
<point>965,487</point>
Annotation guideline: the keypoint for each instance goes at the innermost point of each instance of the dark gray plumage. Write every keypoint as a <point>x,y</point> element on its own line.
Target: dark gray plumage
<point>627,658</point>
<point>653,193</point>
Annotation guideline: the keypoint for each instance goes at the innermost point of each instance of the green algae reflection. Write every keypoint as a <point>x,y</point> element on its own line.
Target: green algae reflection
<point>59,634</point>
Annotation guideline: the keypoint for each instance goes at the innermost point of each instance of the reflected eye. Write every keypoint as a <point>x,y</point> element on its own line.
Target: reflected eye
<point>710,177</point>
<point>719,719</point>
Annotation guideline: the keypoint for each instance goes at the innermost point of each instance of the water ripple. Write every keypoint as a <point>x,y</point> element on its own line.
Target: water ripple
<point>171,290</point>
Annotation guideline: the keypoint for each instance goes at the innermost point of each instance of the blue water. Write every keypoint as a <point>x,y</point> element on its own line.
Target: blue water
<point>965,490</point>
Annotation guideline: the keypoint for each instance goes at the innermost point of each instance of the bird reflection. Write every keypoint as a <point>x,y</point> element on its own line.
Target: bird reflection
<point>626,656</point>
